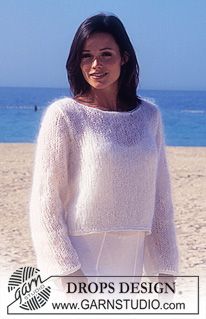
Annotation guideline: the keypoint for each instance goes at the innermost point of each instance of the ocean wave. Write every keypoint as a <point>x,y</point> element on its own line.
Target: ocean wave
<point>149,99</point>
<point>21,107</point>
<point>193,111</point>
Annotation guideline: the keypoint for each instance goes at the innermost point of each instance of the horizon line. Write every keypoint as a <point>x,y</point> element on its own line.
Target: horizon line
<point>66,88</point>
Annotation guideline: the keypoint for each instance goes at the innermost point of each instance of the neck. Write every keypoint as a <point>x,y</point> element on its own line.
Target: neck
<point>102,99</point>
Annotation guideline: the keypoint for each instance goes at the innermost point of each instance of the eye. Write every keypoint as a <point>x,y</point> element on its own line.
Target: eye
<point>107,54</point>
<point>85,56</point>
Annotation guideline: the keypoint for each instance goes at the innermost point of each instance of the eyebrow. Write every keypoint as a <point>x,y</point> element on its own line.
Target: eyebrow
<point>99,50</point>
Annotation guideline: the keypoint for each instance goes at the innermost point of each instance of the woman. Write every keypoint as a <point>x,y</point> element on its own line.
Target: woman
<point>101,200</point>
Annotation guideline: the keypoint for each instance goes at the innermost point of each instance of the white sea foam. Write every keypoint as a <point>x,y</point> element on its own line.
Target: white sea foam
<point>149,99</point>
<point>21,107</point>
<point>193,111</point>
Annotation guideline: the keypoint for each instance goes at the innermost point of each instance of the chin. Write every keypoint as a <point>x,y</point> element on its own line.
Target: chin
<point>98,86</point>
<point>101,86</point>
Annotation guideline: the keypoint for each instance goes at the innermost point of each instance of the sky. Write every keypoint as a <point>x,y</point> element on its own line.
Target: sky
<point>169,37</point>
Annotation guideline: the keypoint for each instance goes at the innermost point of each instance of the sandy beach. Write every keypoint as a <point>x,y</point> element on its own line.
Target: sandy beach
<point>188,179</point>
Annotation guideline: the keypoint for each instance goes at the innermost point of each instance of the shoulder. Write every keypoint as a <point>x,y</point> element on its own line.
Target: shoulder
<point>53,117</point>
<point>151,109</point>
<point>59,105</point>
<point>149,105</point>
<point>58,109</point>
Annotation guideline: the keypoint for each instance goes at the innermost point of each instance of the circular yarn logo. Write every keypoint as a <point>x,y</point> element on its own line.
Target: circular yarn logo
<point>28,288</point>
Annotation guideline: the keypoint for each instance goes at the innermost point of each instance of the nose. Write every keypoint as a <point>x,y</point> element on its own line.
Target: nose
<point>96,61</point>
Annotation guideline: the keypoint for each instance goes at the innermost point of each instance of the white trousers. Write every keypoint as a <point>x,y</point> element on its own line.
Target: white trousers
<point>111,253</point>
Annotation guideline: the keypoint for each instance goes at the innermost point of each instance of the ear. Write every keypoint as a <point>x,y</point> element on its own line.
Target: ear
<point>125,58</point>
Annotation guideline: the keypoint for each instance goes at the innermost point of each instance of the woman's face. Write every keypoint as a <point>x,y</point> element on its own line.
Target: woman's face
<point>101,62</point>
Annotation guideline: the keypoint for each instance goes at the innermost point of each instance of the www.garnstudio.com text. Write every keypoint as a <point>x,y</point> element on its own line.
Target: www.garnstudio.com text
<point>119,304</point>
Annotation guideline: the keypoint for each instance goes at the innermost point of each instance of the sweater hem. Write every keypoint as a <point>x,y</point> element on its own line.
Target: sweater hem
<point>71,271</point>
<point>163,272</point>
<point>82,233</point>
<point>169,272</point>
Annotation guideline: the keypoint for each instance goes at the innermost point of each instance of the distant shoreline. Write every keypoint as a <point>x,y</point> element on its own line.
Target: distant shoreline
<point>66,88</point>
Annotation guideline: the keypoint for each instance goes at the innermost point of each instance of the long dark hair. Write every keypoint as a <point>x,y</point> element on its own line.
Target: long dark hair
<point>129,76</point>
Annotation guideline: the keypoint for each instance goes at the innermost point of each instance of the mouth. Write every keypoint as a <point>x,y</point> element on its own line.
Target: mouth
<point>98,75</point>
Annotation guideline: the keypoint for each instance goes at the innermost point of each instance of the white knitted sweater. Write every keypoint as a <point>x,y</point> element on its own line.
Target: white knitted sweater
<point>100,171</point>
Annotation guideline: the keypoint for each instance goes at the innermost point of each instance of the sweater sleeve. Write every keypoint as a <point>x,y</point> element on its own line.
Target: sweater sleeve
<point>50,190</point>
<point>161,252</point>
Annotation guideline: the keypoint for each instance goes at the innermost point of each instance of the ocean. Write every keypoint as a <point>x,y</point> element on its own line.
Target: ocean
<point>183,112</point>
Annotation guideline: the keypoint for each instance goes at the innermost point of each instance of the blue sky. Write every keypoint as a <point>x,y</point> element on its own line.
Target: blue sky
<point>169,37</point>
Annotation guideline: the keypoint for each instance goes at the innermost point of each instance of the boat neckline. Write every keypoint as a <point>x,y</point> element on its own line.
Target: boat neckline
<point>137,108</point>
